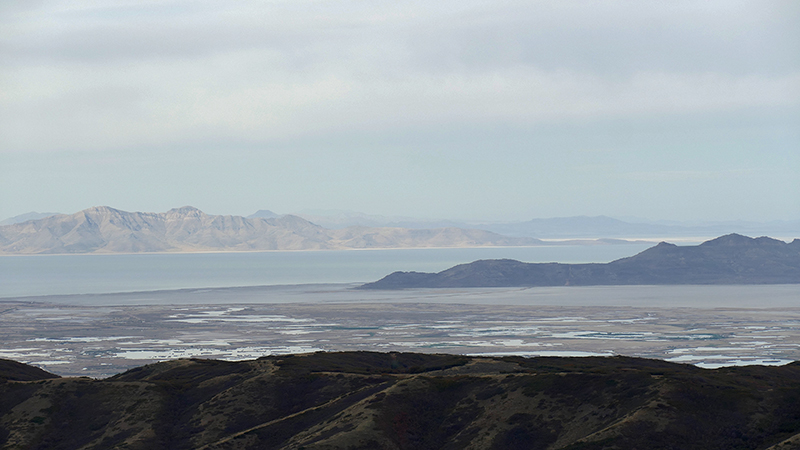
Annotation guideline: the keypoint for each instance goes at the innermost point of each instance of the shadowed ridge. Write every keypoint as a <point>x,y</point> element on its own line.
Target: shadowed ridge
<point>402,280</point>
<point>661,250</point>
<point>370,400</point>
<point>193,371</point>
<point>738,240</point>
<point>15,371</point>
<point>503,272</point>
<point>728,239</point>
<point>364,362</point>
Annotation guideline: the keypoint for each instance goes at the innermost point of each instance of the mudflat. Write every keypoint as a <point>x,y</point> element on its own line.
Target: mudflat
<point>105,334</point>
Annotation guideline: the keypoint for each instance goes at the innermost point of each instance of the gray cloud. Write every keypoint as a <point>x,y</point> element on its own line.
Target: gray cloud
<point>371,85</point>
<point>621,37</point>
<point>575,35</point>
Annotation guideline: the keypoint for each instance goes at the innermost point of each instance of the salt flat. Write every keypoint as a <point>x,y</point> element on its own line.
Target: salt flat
<point>102,334</point>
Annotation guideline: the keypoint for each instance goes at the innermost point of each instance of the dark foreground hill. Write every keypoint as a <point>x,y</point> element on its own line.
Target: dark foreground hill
<point>362,400</point>
<point>730,259</point>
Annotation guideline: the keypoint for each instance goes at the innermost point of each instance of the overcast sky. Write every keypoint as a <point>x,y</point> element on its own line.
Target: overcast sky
<point>495,110</point>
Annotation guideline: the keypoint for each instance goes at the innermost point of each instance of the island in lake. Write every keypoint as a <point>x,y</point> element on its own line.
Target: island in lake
<point>729,259</point>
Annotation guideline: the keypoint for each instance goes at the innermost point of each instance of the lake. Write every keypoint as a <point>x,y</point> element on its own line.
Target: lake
<point>37,275</point>
<point>98,315</point>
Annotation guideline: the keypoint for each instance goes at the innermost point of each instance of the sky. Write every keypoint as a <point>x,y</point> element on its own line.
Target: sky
<point>465,110</point>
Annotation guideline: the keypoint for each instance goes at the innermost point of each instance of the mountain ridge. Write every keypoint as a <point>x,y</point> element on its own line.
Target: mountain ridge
<point>33,215</point>
<point>368,400</point>
<point>729,259</point>
<point>102,229</point>
<point>569,227</point>
<point>559,228</point>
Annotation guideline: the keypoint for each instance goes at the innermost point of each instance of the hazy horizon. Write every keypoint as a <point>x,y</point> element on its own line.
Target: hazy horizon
<point>471,111</point>
<point>332,213</point>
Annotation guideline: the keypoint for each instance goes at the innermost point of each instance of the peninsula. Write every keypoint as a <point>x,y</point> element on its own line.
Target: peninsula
<point>730,259</point>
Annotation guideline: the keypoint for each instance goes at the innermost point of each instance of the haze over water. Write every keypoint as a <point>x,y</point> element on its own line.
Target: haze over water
<point>83,274</point>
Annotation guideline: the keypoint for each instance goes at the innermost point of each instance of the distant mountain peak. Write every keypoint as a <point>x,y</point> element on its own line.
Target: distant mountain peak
<point>739,240</point>
<point>764,240</point>
<point>185,210</point>
<point>33,215</point>
<point>664,244</point>
<point>263,214</point>
<point>101,209</point>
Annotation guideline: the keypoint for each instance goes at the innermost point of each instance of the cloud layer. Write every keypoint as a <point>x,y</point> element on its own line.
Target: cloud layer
<point>260,79</point>
<point>94,75</point>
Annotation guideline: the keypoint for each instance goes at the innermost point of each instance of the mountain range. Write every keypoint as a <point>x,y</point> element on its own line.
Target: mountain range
<point>575,227</point>
<point>558,228</point>
<point>364,400</point>
<point>609,227</point>
<point>730,259</point>
<point>108,230</point>
<point>33,215</point>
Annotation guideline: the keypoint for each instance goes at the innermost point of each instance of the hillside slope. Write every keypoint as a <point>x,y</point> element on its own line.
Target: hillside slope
<point>364,400</point>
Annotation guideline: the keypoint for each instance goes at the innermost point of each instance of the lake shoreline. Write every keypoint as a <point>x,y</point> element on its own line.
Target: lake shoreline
<point>755,296</point>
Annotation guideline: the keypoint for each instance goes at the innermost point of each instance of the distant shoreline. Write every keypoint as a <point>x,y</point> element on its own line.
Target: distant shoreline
<point>185,290</point>
<point>547,243</point>
<point>726,296</point>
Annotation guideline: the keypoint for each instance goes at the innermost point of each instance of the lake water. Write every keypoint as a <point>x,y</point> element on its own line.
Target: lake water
<point>38,275</point>
<point>136,309</point>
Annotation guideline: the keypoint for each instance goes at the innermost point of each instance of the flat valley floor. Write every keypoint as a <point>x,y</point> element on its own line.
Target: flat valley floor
<point>99,335</point>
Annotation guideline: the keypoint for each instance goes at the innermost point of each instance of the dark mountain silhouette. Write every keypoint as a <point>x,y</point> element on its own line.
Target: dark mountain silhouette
<point>362,400</point>
<point>730,259</point>
<point>14,371</point>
